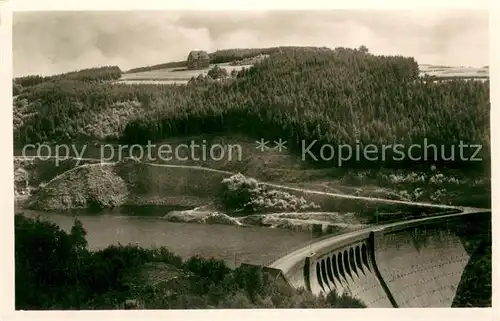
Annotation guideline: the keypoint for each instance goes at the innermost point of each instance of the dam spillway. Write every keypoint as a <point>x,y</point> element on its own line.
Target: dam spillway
<point>418,263</point>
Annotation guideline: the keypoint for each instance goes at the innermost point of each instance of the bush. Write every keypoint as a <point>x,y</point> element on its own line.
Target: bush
<point>211,269</point>
<point>46,261</point>
<point>237,191</point>
<point>217,73</point>
<point>245,194</point>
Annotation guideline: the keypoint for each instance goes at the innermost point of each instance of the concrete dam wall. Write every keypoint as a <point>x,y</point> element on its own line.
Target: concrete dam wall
<point>418,263</point>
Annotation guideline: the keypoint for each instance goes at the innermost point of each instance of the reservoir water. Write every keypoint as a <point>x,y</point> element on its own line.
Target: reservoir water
<point>233,244</point>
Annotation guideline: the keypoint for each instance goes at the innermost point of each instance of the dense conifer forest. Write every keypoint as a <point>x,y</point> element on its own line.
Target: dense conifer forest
<point>340,96</point>
<point>85,75</point>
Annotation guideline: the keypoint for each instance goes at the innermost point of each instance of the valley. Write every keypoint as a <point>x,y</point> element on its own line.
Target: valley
<point>268,199</point>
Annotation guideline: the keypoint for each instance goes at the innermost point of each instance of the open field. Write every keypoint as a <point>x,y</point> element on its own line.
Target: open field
<point>172,75</point>
<point>449,71</point>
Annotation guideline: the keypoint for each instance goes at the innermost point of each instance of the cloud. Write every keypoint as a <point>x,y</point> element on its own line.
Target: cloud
<point>55,42</point>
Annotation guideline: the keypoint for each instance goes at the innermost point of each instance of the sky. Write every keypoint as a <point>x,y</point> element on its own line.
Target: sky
<point>48,43</point>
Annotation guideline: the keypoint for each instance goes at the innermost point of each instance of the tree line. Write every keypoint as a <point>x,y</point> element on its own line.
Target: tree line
<point>104,73</point>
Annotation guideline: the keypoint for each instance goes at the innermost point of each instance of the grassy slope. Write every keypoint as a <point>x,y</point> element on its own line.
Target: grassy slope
<point>450,71</point>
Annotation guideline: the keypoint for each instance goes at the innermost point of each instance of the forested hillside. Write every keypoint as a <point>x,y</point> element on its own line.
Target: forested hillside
<point>89,74</point>
<point>339,96</point>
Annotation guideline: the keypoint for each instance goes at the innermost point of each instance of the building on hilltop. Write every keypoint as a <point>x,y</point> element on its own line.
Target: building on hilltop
<point>198,59</point>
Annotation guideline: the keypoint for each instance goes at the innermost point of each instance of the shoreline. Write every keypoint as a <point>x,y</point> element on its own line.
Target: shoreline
<point>303,221</point>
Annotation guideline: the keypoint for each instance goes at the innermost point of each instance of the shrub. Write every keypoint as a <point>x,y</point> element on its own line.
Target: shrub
<point>217,73</point>
<point>238,190</point>
<point>245,194</point>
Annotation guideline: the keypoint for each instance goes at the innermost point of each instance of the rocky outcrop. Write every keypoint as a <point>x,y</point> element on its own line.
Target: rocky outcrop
<point>86,187</point>
<point>202,217</point>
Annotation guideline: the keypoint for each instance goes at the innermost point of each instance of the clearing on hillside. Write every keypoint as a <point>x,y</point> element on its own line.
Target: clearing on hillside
<point>179,76</point>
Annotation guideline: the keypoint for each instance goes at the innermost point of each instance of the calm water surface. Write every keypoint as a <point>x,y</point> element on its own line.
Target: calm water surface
<point>230,243</point>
